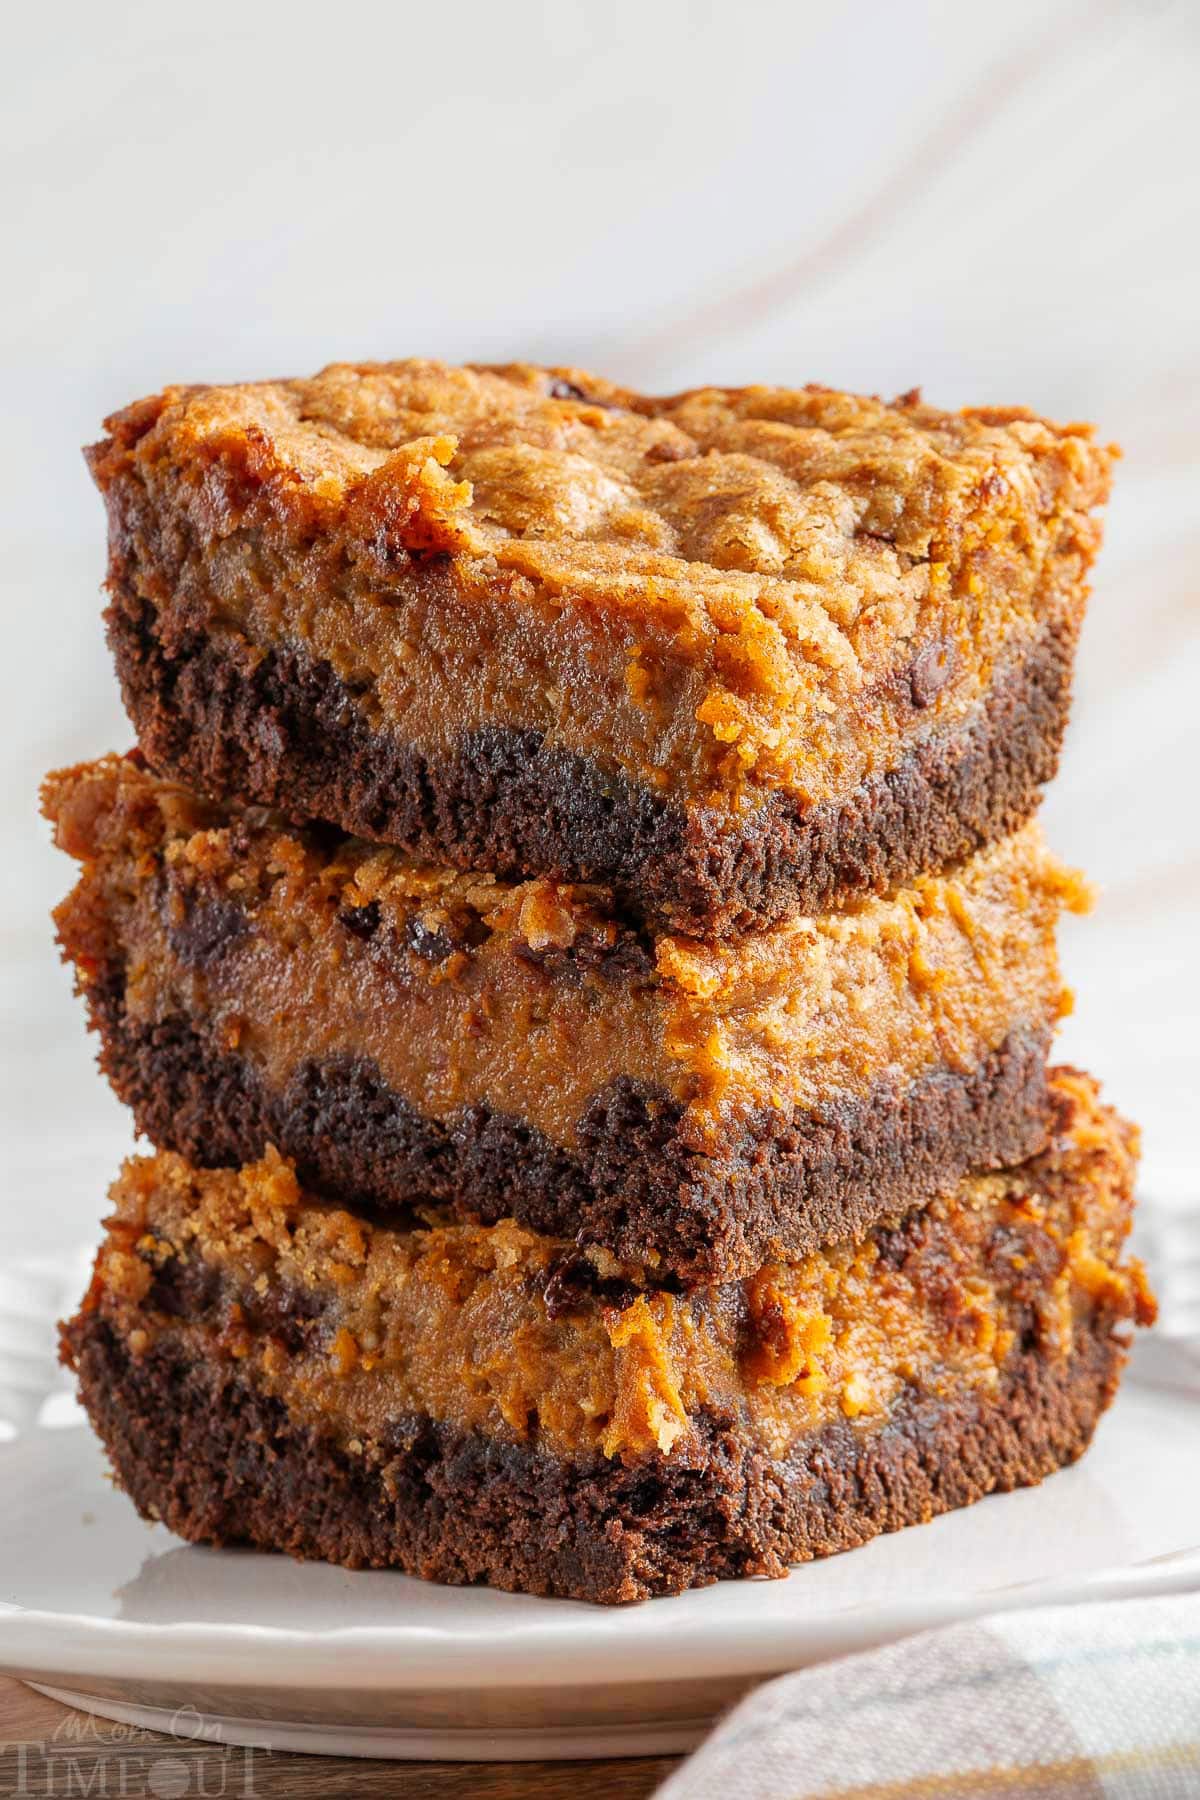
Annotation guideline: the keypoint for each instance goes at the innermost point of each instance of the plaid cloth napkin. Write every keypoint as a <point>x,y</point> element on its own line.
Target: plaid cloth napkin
<point>1097,1702</point>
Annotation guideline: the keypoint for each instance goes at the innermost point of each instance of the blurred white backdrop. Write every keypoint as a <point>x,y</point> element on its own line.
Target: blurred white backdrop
<point>1000,204</point>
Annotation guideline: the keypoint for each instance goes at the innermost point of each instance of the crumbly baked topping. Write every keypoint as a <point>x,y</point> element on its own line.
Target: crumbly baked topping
<point>785,540</point>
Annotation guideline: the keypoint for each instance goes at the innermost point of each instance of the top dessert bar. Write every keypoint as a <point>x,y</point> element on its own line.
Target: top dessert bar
<point>734,653</point>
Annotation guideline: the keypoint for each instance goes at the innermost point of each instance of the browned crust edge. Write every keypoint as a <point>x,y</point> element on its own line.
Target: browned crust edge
<point>196,1446</point>
<point>283,730</point>
<point>784,1185</point>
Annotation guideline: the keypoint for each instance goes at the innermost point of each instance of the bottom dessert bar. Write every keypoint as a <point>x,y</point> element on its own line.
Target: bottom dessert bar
<point>476,1404</point>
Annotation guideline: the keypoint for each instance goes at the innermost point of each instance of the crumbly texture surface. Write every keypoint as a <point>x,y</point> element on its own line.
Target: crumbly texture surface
<point>495,1348</point>
<point>416,1037</point>
<point>726,619</point>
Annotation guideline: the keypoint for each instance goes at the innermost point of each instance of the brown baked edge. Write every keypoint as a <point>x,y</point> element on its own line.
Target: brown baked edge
<point>197,1447</point>
<point>784,1186</point>
<point>283,730</point>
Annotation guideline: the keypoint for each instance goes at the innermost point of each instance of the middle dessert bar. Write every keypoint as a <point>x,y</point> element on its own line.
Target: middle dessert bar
<point>415,1037</point>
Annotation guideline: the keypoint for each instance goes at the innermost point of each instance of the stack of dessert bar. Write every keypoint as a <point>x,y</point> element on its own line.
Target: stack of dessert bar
<point>574,934</point>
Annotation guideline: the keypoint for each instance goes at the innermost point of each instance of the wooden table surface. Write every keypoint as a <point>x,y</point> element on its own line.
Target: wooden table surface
<point>52,1749</point>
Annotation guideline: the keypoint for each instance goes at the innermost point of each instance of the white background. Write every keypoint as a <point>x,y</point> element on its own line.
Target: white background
<point>999,203</point>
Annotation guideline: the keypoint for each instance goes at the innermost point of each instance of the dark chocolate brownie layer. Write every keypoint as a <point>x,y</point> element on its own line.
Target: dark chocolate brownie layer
<point>281,729</point>
<point>197,1447</point>
<point>786,1185</point>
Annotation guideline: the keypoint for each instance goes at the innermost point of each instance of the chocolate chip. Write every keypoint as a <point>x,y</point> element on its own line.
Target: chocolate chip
<point>430,946</point>
<point>208,929</point>
<point>360,921</point>
<point>184,1289</point>
<point>567,390</point>
<point>627,963</point>
<point>283,1313</point>
<point>433,946</point>
<point>573,1282</point>
<point>461,929</point>
<point>930,672</point>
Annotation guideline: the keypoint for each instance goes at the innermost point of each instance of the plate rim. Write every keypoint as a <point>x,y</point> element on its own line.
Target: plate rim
<point>366,1657</point>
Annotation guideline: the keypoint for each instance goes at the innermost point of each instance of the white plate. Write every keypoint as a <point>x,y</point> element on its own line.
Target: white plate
<point>121,1618</point>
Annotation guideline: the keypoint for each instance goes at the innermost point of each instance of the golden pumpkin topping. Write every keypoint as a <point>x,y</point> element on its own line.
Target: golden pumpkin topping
<point>531,997</point>
<point>358,1325</point>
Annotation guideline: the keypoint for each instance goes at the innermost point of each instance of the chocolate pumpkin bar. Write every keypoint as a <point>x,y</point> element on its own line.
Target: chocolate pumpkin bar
<point>264,1367</point>
<point>416,1037</point>
<point>732,653</point>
